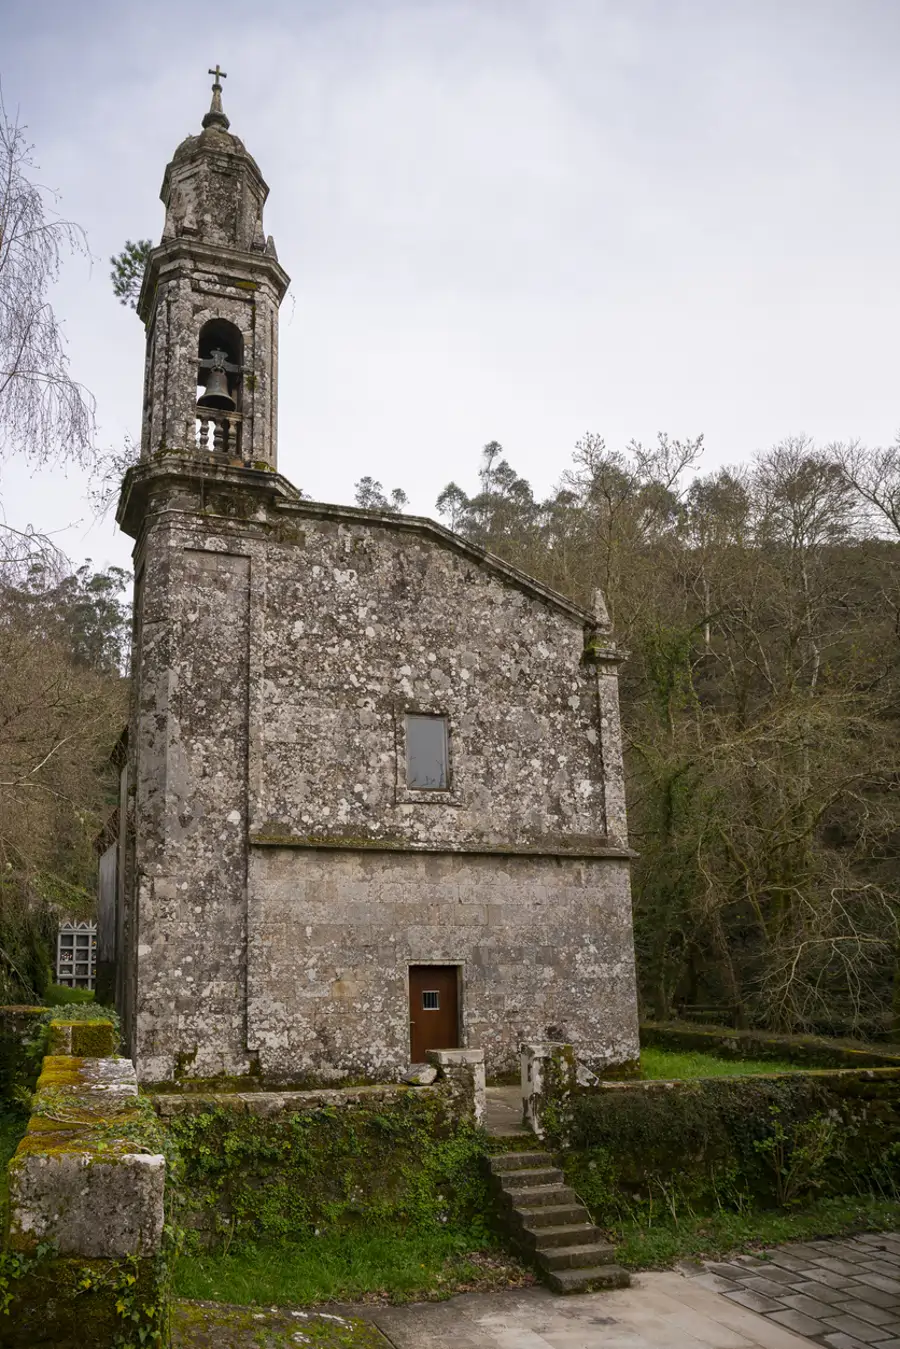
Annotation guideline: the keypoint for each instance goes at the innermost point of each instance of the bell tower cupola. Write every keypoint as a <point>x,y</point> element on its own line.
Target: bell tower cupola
<point>210,298</point>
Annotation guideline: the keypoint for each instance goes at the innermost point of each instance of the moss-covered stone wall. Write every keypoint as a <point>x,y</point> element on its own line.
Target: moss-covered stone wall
<point>741,1141</point>
<point>84,1261</point>
<point>28,1033</point>
<point>283,1167</point>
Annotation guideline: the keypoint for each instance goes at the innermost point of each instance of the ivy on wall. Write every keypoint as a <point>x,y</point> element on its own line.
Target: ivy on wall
<point>403,1164</point>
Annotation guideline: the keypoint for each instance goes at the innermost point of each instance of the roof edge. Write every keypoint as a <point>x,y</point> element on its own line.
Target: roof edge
<point>422,524</point>
<point>285,498</point>
<point>185,247</point>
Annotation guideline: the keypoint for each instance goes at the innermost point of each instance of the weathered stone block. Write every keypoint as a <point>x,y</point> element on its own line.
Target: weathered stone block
<point>548,1075</point>
<point>464,1069</point>
<point>87,1182</point>
<point>86,1204</point>
<point>84,1039</point>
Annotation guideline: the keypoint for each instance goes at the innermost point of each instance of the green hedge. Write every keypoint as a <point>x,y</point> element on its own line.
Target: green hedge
<point>402,1162</point>
<point>734,1141</point>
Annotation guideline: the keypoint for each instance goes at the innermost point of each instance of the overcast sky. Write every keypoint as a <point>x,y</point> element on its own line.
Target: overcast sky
<point>504,219</point>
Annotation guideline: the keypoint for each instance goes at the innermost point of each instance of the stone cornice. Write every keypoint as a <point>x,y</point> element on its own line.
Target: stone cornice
<point>578,850</point>
<point>217,256</point>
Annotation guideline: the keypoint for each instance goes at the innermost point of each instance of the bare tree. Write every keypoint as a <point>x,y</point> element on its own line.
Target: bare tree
<point>875,476</point>
<point>44,413</point>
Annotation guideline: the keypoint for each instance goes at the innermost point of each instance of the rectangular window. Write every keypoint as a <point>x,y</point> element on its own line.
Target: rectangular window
<point>431,1000</point>
<point>76,954</point>
<point>426,753</point>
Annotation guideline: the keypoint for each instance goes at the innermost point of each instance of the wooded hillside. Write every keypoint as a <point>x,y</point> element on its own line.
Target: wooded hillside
<point>63,662</point>
<point>761,701</point>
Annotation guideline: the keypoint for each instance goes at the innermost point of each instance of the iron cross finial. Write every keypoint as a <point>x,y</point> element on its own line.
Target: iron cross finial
<point>216,115</point>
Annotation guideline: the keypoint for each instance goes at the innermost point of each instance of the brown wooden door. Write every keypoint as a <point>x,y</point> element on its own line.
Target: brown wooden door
<point>433,1009</point>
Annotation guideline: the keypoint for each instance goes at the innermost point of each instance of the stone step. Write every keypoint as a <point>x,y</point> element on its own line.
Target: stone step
<point>588,1280</point>
<point>501,1162</point>
<point>550,1215</point>
<point>540,1196</point>
<point>529,1176</point>
<point>589,1255</point>
<point>569,1234</point>
<point>551,1227</point>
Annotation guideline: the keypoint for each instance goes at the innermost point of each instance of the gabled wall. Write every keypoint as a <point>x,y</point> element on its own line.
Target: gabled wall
<point>285,876</point>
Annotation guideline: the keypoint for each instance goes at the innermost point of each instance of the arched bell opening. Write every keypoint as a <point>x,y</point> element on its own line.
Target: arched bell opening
<point>220,367</point>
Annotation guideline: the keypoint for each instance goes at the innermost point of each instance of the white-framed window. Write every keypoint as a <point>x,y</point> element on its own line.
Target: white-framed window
<point>76,954</point>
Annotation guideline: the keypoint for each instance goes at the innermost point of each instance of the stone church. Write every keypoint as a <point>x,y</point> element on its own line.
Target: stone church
<point>372,799</point>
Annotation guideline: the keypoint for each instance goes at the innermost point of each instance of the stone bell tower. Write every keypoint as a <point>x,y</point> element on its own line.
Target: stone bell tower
<point>210,299</point>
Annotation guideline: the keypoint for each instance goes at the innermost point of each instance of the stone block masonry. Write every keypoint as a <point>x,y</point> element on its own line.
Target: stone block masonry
<point>538,942</point>
<point>86,1191</point>
<point>283,876</point>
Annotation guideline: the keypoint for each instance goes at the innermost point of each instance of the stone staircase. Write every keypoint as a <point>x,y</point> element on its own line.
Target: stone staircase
<point>550,1227</point>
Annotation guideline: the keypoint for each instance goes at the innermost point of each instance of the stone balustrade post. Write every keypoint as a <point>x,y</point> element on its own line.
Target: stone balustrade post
<point>548,1080</point>
<point>465,1069</point>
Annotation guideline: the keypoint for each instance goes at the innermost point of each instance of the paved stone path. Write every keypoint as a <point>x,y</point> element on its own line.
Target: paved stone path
<point>841,1294</point>
<point>659,1311</point>
<point>504,1113</point>
<point>834,1294</point>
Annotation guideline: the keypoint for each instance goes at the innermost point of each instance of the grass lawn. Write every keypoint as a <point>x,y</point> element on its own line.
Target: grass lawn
<point>343,1266</point>
<point>59,995</point>
<point>657,1245</point>
<point>657,1064</point>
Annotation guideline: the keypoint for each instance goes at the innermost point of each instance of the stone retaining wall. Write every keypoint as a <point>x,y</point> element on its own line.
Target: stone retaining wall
<point>83,1260</point>
<point>767,1139</point>
<point>281,1165</point>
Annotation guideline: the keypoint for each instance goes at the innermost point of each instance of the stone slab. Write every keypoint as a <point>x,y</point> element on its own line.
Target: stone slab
<point>79,1180</point>
<point>834,1292</point>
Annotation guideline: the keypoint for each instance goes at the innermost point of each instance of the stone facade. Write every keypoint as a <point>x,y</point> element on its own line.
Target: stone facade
<point>280,875</point>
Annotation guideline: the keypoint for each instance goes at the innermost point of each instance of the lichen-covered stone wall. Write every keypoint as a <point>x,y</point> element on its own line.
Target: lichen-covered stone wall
<point>542,943</point>
<point>365,623</point>
<point>284,876</point>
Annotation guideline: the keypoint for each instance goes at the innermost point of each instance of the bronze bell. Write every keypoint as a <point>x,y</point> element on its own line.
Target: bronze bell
<point>217,395</point>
